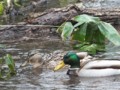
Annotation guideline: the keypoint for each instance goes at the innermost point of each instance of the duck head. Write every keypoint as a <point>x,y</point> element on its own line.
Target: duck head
<point>71,59</point>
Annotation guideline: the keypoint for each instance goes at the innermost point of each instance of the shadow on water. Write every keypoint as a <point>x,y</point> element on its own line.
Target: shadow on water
<point>72,82</point>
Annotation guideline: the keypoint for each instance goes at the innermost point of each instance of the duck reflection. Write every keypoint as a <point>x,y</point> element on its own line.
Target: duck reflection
<point>73,81</point>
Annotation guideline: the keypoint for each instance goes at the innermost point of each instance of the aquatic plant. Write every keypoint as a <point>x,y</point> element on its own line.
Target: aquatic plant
<point>89,32</point>
<point>7,72</point>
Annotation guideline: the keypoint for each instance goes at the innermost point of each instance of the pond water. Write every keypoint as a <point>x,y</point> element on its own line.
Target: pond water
<point>47,79</point>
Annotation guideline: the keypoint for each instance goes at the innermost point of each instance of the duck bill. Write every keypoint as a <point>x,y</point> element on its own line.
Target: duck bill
<point>59,66</point>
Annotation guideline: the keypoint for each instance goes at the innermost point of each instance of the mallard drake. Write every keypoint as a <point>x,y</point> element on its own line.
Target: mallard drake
<point>87,67</point>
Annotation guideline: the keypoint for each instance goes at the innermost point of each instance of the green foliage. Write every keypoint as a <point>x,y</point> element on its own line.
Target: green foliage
<point>109,32</point>
<point>66,30</point>
<point>10,62</point>
<point>17,3</point>
<point>6,74</point>
<point>10,4</point>
<point>1,8</point>
<point>90,48</point>
<point>86,19</point>
<point>91,31</point>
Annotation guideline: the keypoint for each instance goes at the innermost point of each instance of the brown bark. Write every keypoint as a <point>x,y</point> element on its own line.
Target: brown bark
<point>58,16</point>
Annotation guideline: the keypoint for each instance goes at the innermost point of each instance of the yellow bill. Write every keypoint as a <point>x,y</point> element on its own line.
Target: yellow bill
<point>59,66</point>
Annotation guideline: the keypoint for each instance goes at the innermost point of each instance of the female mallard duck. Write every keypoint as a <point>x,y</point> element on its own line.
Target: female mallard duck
<point>87,67</point>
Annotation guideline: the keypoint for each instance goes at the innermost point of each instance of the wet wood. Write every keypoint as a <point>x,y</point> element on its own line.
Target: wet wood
<point>54,16</point>
<point>108,15</point>
<point>58,16</point>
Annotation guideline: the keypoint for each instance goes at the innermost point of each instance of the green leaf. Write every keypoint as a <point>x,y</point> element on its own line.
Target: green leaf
<point>91,29</point>
<point>67,30</point>
<point>89,48</point>
<point>1,60</point>
<point>93,34</point>
<point>5,74</point>
<point>60,28</point>
<point>99,38</point>
<point>80,33</point>
<point>109,32</point>
<point>78,46</point>
<point>17,3</point>
<point>78,24</point>
<point>86,18</point>
<point>1,8</point>
<point>10,63</point>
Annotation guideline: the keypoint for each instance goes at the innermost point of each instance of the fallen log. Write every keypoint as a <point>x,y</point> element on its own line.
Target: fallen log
<point>60,15</point>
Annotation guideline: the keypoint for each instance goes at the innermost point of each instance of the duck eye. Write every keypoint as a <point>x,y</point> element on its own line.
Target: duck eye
<point>65,57</point>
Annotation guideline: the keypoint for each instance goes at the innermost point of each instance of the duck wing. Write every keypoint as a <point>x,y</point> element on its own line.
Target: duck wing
<point>102,64</point>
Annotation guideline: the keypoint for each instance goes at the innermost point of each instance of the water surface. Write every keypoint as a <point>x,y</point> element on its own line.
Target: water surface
<point>47,79</point>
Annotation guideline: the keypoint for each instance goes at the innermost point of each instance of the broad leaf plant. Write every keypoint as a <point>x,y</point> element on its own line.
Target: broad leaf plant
<point>89,32</point>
